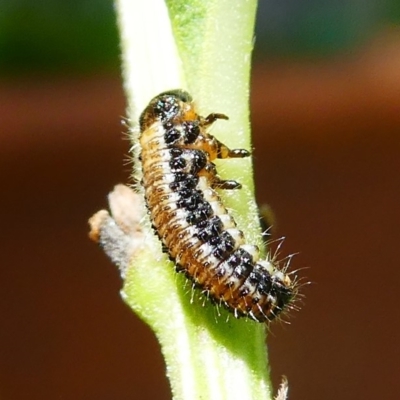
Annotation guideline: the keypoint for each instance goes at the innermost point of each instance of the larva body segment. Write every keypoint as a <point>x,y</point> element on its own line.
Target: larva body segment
<point>180,182</point>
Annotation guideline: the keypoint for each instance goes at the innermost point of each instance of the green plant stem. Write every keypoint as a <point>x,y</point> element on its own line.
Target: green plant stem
<point>203,46</point>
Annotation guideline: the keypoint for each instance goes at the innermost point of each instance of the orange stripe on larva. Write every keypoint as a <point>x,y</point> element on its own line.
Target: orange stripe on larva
<point>199,234</point>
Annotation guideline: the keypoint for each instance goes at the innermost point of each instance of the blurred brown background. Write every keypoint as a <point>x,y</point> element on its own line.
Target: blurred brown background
<point>326,138</point>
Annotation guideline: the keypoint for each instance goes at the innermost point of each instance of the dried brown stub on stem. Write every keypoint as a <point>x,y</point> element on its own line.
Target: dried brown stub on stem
<point>187,213</point>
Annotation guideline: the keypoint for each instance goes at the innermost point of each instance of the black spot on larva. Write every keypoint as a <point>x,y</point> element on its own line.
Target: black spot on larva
<point>167,125</point>
<point>191,131</point>
<point>256,276</point>
<point>177,163</point>
<point>243,269</point>
<point>209,228</point>
<point>184,193</point>
<point>224,246</point>
<point>240,257</point>
<point>190,182</point>
<point>171,136</point>
<point>206,209</point>
<point>183,179</point>
<point>186,182</point>
<point>203,212</point>
<point>198,162</point>
<point>192,201</point>
<point>265,283</point>
<point>181,176</point>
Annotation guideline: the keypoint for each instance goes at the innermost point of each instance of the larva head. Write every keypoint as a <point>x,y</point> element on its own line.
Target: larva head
<point>168,106</point>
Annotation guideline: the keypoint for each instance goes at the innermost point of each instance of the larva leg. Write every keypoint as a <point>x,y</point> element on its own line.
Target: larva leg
<point>220,150</point>
<point>226,184</point>
<point>226,152</point>
<point>210,119</point>
<point>216,182</point>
